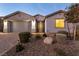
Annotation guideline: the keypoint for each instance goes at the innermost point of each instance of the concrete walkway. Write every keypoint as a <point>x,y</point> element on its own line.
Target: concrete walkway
<point>7,41</point>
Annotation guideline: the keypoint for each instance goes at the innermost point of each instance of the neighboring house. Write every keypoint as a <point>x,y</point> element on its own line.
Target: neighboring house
<point>22,22</point>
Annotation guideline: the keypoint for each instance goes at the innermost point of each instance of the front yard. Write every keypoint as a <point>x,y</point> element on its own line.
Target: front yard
<point>35,46</point>
<point>38,48</point>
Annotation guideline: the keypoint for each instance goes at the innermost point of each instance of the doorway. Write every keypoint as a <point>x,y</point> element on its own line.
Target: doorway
<point>40,26</point>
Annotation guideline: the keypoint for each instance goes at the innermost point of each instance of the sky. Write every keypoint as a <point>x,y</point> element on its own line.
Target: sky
<point>31,8</point>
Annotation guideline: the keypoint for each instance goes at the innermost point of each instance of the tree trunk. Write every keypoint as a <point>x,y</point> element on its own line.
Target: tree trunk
<point>74,32</point>
<point>69,35</point>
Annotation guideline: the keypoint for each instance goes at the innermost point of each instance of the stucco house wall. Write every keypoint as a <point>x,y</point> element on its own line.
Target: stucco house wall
<point>51,23</point>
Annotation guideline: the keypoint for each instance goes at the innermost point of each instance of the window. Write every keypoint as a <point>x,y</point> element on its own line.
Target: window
<point>59,23</point>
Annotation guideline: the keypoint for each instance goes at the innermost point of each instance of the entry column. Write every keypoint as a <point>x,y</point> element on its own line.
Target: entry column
<point>5,26</point>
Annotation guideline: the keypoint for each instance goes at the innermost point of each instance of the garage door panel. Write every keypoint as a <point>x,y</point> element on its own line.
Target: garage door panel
<point>20,26</point>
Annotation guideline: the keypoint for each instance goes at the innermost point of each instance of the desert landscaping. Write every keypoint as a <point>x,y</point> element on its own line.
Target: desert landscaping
<point>40,46</point>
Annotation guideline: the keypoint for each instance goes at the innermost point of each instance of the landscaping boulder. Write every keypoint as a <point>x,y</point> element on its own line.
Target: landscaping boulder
<point>48,40</point>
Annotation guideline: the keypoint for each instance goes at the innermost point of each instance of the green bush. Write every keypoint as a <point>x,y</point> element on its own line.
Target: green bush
<point>19,47</point>
<point>24,37</point>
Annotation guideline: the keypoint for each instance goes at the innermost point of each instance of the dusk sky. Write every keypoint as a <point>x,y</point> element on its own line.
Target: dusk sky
<point>31,8</point>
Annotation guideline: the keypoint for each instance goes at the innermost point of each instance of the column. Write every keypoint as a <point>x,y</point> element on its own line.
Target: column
<point>5,26</point>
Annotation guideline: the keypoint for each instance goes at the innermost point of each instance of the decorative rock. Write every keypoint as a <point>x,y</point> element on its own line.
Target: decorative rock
<point>48,40</point>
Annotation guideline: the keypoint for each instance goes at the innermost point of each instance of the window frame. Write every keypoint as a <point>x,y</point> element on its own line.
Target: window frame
<point>59,27</point>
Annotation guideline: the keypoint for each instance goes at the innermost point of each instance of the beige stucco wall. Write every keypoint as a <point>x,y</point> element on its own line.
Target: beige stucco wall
<point>50,24</point>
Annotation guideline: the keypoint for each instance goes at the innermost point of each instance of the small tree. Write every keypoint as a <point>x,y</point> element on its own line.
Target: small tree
<point>72,16</point>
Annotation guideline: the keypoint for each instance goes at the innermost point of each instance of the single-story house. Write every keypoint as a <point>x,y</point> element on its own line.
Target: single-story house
<point>23,22</point>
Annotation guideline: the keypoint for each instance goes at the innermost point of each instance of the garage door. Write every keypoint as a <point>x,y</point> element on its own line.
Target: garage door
<point>21,26</point>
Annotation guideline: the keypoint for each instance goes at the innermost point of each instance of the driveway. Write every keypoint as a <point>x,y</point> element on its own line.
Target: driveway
<point>7,41</point>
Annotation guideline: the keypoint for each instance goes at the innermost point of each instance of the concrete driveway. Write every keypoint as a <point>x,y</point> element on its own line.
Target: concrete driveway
<point>7,41</point>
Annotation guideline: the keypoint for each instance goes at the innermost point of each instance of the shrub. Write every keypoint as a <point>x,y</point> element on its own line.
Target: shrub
<point>44,35</point>
<point>24,37</point>
<point>19,47</point>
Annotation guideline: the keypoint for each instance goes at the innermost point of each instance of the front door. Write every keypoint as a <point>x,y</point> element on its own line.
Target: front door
<point>40,26</point>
